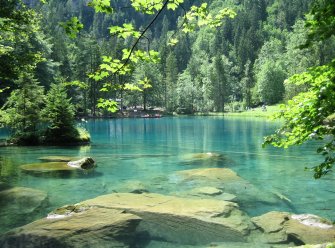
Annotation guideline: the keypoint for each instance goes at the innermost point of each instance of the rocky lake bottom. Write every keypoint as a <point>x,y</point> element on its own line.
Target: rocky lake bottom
<point>186,182</point>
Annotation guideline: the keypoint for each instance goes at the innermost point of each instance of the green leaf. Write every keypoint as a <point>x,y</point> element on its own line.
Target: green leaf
<point>72,27</point>
<point>102,6</point>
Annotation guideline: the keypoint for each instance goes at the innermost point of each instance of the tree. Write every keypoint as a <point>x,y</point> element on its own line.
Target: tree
<point>270,72</point>
<point>22,48</point>
<point>298,60</point>
<point>58,113</point>
<point>270,82</point>
<point>22,110</point>
<point>128,61</point>
<point>310,115</point>
<point>146,80</point>
<point>185,93</point>
<point>247,84</point>
<point>171,72</point>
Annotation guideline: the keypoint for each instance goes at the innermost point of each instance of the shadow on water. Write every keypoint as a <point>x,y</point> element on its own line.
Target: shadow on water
<point>256,208</point>
<point>65,174</point>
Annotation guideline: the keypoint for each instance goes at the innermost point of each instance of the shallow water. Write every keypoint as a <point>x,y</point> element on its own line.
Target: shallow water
<point>151,150</point>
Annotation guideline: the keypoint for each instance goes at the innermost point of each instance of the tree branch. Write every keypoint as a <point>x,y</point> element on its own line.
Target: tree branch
<point>142,35</point>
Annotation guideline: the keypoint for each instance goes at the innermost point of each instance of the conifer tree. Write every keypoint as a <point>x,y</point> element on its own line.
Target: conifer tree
<point>22,110</point>
<point>59,115</point>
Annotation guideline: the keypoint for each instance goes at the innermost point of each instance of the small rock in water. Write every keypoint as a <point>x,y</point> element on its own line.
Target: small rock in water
<point>211,191</point>
<point>84,163</point>
<point>67,211</point>
<point>312,220</point>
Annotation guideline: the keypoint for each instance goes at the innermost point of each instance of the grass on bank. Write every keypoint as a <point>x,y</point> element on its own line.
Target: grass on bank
<point>254,112</point>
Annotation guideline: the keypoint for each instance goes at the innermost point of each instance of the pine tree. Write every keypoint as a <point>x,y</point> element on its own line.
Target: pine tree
<point>59,115</point>
<point>21,113</point>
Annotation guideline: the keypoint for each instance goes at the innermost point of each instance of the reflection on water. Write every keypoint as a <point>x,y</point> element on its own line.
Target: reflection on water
<point>147,153</point>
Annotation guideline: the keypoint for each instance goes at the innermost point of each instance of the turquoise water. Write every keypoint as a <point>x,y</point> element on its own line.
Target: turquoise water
<point>152,150</point>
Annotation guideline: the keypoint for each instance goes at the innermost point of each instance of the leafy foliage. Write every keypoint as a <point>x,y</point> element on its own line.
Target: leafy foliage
<point>321,21</point>
<point>310,115</point>
<point>199,16</point>
<point>102,6</point>
<point>20,41</point>
<point>125,31</point>
<point>72,27</point>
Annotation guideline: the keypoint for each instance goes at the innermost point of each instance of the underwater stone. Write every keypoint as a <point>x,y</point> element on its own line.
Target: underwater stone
<point>47,167</point>
<point>21,205</point>
<point>132,186</point>
<point>211,191</point>
<point>227,180</point>
<point>204,157</point>
<point>57,159</point>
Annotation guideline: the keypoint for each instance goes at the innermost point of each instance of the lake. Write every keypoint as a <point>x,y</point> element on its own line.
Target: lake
<point>150,151</point>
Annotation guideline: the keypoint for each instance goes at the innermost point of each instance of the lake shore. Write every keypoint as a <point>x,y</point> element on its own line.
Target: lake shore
<point>157,113</point>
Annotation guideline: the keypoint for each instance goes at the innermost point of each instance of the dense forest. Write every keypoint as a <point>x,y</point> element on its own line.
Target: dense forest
<point>240,64</point>
<point>61,59</point>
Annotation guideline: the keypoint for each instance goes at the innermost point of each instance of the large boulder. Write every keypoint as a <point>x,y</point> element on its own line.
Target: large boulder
<point>181,220</point>
<point>86,227</point>
<point>282,227</point>
<point>20,205</point>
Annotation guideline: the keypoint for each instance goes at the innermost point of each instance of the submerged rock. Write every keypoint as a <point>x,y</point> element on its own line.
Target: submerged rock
<point>57,159</point>
<point>47,167</point>
<point>133,186</point>
<point>226,180</point>
<point>207,155</point>
<point>93,227</point>
<point>20,205</point>
<point>211,191</point>
<point>213,174</point>
<point>204,158</point>
<point>84,163</point>
<point>181,220</point>
<point>282,227</point>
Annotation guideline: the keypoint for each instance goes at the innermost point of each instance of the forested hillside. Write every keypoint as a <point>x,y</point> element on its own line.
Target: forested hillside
<point>240,64</point>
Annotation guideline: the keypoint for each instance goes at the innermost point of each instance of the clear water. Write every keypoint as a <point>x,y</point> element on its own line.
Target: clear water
<point>151,150</point>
